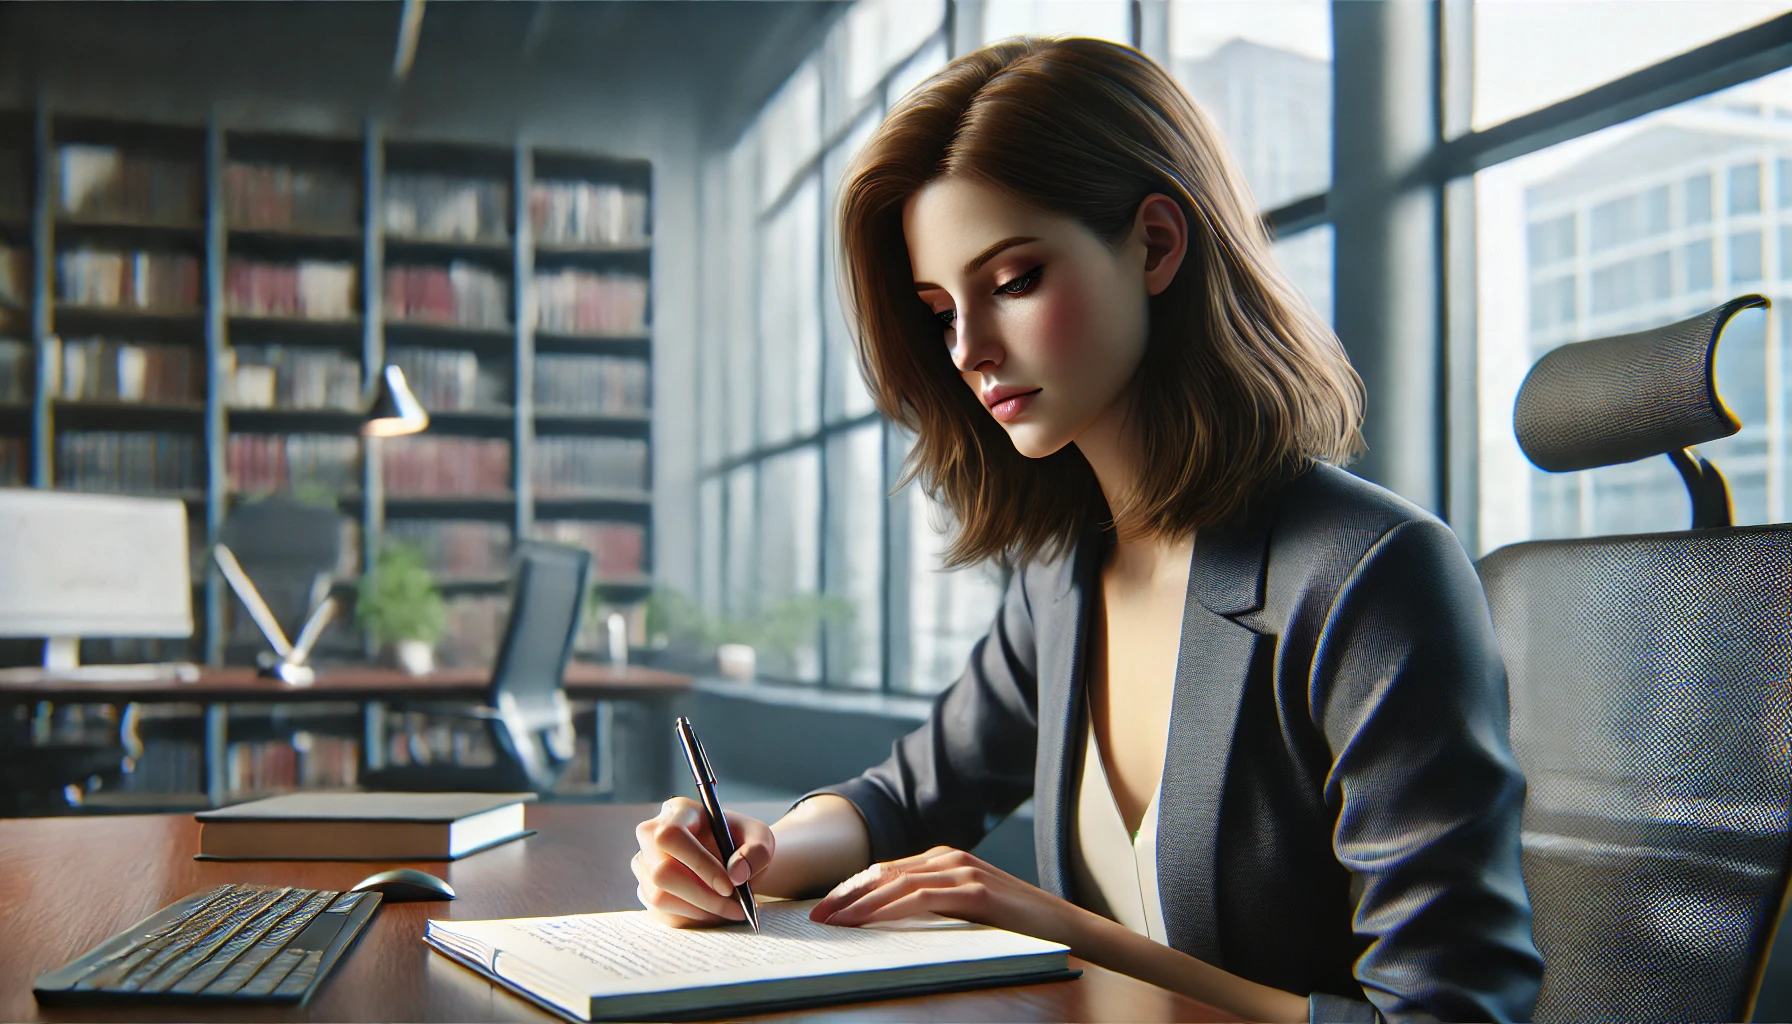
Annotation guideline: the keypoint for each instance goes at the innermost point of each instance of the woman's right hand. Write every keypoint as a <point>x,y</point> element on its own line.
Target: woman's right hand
<point>680,877</point>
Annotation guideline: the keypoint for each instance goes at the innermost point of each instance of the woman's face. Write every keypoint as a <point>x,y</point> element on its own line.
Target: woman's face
<point>1045,322</point>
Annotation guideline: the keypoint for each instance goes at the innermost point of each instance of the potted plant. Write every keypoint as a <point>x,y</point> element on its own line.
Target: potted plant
<point>398,604</point>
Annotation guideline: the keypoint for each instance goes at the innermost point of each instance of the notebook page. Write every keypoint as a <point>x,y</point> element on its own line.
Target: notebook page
<point>627,952</point>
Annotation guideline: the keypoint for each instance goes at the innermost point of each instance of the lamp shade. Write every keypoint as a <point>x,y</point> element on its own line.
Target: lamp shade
<point>395,411</point>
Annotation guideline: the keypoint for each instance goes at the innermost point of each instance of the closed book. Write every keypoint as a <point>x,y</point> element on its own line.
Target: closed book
<point>362,826</point>
<point>627,966</point>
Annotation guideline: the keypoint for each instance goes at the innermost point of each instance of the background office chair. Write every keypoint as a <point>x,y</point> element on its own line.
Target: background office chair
<point>1651,706</point>
<point>526,718</point>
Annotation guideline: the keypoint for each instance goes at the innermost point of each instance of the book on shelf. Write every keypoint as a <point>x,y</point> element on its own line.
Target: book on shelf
<point>461,294</point>
<point>466,467</point>
<point>15,183</point>
<point>447,380</point>
<point>584,302</point>
<point>570,466</point>
<point>258,463</point>
<point>616,548</point>
<point>590,385</point>
<point>15,275</point>
<point>134,462</point>
<point>306,761</point>
<point>102,369</point>
<point>440,207</point>
<point>475,623</point>
<point>587,214</point>
<point>15,461</point>
<point>451,547</point>
<point>306,289</point>
<point>362,826</point>
<point>105,183</point>
<point>275,197</point>
<point>18,380</point>
<point>289,377</point>
<point>624,965</point>
<point>135,280</point>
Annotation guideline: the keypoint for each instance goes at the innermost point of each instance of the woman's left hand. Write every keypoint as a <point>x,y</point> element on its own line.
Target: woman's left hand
<point>952,883</point>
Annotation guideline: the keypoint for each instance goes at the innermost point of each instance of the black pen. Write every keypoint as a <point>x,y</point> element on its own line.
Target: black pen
<point>718,825</point>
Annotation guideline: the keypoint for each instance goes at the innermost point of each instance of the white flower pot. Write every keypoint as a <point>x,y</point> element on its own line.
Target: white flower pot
<point>417,657</point>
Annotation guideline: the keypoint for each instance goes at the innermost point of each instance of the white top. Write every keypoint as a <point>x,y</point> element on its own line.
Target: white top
<point>1115,874</point>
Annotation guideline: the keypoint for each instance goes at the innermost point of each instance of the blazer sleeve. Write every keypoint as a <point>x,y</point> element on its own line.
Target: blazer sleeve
<point>1409,690</point>
<point>954,778</point>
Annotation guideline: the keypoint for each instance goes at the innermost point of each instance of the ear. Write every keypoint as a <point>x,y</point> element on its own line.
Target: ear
<point>1163,230</point>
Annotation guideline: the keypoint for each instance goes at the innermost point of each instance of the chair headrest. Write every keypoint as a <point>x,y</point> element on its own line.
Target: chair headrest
<point>1627,397</point>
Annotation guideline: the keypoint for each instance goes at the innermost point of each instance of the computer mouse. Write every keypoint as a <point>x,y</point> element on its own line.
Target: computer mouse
<point>405,884</point>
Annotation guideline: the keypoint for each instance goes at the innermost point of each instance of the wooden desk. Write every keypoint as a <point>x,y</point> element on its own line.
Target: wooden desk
<point>644,729</point>
<point>67,884</point>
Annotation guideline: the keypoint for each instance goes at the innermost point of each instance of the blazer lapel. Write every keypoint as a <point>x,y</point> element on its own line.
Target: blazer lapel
<point>1061,629</point>
<point>1217,657</point>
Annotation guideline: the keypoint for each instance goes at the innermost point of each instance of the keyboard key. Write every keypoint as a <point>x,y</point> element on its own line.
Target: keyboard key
<point>294,985</point>
<point>220,936</point>
<point>273,942</point>
<point>276,970</point>
<point>193,930</point>
<point>121,962</point>
<point>245,938</point>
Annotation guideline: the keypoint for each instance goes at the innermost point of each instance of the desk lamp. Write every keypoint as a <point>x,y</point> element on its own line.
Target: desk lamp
<point>393,412</point>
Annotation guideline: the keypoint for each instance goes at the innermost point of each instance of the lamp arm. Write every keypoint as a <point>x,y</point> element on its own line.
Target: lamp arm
<point>251,598</point>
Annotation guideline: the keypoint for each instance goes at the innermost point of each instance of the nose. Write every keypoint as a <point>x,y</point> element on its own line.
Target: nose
<point>974,346</point>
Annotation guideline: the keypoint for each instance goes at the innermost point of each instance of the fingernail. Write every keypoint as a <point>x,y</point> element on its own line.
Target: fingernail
<point>739,870</point>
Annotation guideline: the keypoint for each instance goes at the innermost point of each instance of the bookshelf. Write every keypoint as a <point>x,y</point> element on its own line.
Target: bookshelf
<point>196,311</point>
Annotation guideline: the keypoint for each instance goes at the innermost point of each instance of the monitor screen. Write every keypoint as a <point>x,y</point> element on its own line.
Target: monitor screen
<point>99,565</point>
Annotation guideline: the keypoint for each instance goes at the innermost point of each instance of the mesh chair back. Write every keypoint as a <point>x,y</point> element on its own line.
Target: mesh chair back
<point>547,590</point>
<point>284,546</point>
<point>1652,716</point>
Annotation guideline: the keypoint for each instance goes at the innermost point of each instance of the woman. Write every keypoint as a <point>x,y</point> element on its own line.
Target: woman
<point>1256,700</point>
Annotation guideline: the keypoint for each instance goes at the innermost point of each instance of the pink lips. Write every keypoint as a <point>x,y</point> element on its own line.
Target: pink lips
<point>1011,402</point>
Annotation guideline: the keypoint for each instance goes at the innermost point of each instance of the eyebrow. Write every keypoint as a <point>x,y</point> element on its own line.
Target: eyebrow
<point>977,261</point>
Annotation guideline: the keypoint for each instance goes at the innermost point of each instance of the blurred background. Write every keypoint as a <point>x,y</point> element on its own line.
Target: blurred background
<point>597,237</point>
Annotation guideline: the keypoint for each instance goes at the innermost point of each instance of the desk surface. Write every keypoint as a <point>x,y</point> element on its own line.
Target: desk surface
<point>66,884</point>
<point>349,682</point>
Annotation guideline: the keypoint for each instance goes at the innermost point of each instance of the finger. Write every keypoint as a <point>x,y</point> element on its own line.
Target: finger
<point>672,836</point>
<point>956,902</point>
<point>674,877</point>
<point>669,909</point>
<point>753,850</point>
<point>859,910</point>
<point>851,889</point>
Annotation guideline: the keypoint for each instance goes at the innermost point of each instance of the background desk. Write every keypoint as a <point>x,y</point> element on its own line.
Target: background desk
<point>643,731</point>
<point>67,884</point>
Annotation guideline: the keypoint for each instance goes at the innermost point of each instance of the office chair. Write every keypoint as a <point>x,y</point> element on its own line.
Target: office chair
<point>526,715</point>
<point>1651,710</point>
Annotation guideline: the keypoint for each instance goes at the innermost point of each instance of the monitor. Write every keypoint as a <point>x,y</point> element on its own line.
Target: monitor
<point>74,565</point>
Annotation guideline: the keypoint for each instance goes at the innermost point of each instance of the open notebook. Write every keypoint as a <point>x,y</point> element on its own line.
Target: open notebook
<point>627,965</point>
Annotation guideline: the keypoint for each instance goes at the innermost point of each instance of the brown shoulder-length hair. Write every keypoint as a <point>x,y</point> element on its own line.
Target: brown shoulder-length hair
<point>1241,384</point>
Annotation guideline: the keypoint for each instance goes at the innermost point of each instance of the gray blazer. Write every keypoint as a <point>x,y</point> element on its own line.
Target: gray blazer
<point>1340,805</point>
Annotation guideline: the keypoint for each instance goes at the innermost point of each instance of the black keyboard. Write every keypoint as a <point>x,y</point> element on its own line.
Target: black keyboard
<point>238,943</point>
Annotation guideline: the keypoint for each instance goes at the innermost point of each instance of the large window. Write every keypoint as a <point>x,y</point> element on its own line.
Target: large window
<point>794,519</point>
<point>1635,226</point>
<point>1263,72</point>
<point>1529,54</point>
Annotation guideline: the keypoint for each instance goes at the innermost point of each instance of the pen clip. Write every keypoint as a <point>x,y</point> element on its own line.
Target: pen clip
<point>694,751</point>
<point>709,774</point>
